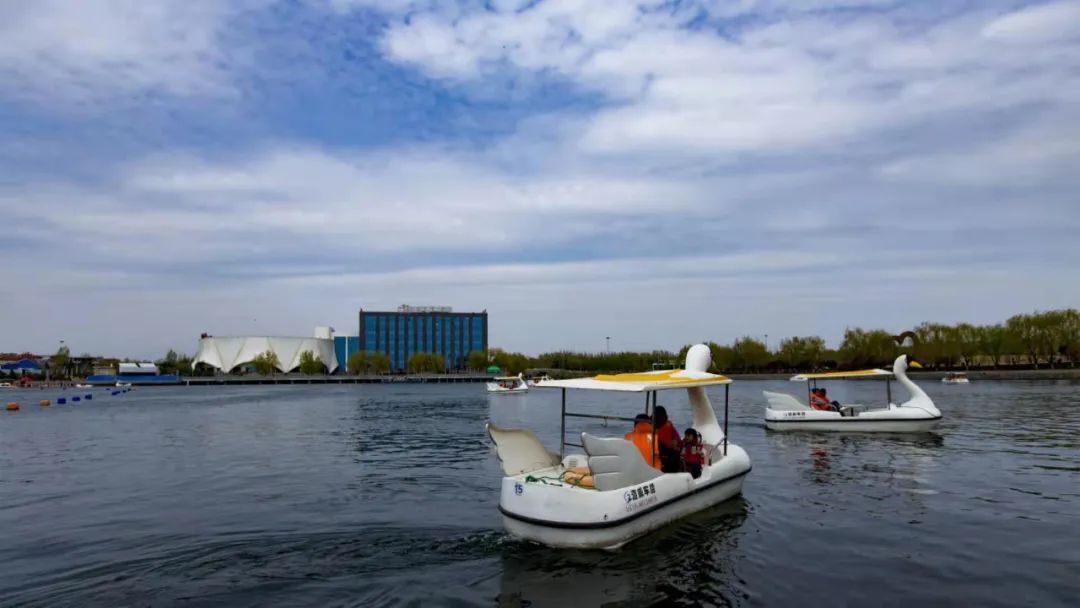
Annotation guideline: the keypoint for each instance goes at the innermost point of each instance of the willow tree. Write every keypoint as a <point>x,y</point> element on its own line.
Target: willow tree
<point>265,363</point>
<point>310,364</point>
<point>802,352</point>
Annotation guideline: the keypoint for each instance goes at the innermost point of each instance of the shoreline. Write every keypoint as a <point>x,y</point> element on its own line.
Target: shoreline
<point>982,374</point>
<point>1067,374</point>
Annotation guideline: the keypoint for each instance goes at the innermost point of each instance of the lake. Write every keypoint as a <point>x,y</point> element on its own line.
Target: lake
<point>383,495</point>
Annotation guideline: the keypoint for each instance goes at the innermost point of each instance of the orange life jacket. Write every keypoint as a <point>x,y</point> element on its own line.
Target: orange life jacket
<point>818,402</point>
<point>642,437</point>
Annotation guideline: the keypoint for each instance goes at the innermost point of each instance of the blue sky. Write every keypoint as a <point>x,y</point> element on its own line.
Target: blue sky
<point>658,172</point>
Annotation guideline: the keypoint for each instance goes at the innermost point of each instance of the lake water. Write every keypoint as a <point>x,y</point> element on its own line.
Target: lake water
<point>387,495</point>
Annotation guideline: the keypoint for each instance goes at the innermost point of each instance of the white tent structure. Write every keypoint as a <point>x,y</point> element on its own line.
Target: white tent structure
<point>226,353</point>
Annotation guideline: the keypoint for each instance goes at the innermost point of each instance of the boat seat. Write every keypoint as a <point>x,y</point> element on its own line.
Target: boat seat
<point>520,451</point>
<point>616,463</point>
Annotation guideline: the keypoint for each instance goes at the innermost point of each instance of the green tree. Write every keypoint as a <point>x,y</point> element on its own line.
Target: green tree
<point>60,361</point>
<point>265,363</point>
<point>310,364</point>
<point>477,361</point>
<point>966,339</point>
<point>993,342</point>
<point>867,348</point>
<point>749,354</point>
<point>422,363</point>
<point>170,364</point>
<point>358,363</point>
<point>1070,335</point>
<point>380,362</point>
<point>1027,335</point>
<point>802,353</point>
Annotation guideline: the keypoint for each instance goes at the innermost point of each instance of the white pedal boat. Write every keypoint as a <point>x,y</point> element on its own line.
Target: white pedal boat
<point>508,384</point>
<point>955,378</point>
<point>917,414</point>
<point>629,498</point>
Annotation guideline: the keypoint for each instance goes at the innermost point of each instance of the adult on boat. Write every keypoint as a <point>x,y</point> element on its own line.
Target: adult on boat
<point>668,442</point>
<point>818,400</point>
<point>642,437</point>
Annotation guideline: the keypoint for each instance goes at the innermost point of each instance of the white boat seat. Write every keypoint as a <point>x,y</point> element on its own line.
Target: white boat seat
<point>784,402</point>
<point>616,463</point>
<point>520,451</point>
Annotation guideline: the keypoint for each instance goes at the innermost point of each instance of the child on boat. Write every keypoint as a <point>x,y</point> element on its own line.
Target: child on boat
<point>693,453</point>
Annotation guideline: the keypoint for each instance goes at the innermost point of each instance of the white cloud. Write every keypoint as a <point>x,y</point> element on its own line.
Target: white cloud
<point>770,85</point>
<point>1037,24</point>
<point>64,51</point>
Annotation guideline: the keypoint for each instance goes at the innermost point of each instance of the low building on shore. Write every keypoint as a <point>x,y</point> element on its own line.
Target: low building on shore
<point>229,353</point>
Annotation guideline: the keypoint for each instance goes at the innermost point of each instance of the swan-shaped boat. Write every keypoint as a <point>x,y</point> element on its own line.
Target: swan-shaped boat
<point>613,493</point>
<point>955,378</point>
<point>917,414</point>
<point>508,385</point>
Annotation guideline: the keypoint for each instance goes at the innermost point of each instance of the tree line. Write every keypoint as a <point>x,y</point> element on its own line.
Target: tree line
<point>1033,340</point>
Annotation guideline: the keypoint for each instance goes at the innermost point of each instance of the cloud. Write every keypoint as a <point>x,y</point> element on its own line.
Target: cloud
<point>789,80</point>
<point>1037,24</point>
<point>62,51</point>
<point>664,171</point>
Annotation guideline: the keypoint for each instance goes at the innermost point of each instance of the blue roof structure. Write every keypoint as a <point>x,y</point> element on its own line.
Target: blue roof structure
<point>21,365</point>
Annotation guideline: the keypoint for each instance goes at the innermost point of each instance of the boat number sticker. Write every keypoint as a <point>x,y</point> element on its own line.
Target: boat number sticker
<point>519,489</point>
<point>635,494</point>
<point>794,414</point>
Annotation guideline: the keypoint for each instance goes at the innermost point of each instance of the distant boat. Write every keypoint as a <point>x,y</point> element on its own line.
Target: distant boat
<point>84,386</point>
<point>508,384</point>
<point>123,385</point>
<point>955,378</point>
<point>6,385</point>
<point>537,381</point>
<point>787,413</point>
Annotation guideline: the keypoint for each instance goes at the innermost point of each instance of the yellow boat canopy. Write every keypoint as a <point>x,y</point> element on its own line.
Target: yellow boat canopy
<point>640,382</point>
<point>862,373</point>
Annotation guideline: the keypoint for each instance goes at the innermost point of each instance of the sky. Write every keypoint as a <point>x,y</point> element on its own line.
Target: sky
<point>653,172</point>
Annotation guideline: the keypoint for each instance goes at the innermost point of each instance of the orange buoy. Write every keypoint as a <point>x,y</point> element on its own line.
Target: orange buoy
<point>13,407</point>
<point>43,402</point>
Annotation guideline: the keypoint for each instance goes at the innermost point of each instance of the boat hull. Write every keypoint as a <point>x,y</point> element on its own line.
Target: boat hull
<point>572,518</point>
<point>856,425</point>
<point>496,390</point>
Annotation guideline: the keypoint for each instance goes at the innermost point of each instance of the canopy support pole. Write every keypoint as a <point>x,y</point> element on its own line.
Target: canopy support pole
<point>562,428</point>
<point>654,437</point>
<point>888,391</point>
<point>727,390</point>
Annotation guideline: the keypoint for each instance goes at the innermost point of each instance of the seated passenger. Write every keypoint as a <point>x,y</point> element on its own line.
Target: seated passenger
<point>818,400</point>
<point>642,438</point>
<point>832,405</point>
<point>668,442</point>
<point>693,454</point>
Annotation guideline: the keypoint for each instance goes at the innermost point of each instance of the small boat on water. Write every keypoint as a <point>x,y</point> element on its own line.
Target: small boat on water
<point>84,386</point>
<point>955,378</point>
<point>787,413</point>
<point>123,385</point>
<point>537,381</point>
<point>614,492</point>
<point>6,385</point>
<point>508,385</point>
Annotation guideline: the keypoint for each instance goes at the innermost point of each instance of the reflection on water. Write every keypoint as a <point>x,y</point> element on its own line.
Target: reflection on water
<point>691,563</point>
<point>387,495</point>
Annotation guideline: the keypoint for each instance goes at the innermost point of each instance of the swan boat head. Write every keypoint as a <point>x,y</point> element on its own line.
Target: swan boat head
<point>918,397</point>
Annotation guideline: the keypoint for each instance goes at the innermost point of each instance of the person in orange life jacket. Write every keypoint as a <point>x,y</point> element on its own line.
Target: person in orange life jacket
<point>668,442</point>
<point>693,453</point>
<point>833,405</point>
<point>642,437</point>
<point>818,400</point>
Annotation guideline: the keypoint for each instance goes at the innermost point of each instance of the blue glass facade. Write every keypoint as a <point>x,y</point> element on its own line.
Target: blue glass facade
<point>453,335</point>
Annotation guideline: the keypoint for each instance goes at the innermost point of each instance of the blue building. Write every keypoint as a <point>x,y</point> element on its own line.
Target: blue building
<point>417,329</point>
